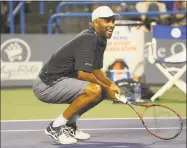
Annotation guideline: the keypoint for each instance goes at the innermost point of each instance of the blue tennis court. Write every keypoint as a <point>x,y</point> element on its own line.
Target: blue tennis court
<point>106,133</point>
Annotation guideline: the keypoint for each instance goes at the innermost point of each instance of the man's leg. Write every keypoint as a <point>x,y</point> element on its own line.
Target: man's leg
<point>84,110</point>
<point>80,93</point>
<point>79,134</point>
<point>80,104</point>
<point>91,94</point>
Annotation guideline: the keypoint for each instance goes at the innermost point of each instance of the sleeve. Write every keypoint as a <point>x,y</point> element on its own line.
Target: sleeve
<point>85,54</point>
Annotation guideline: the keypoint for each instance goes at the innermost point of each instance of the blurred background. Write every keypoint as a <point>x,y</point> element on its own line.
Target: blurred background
<point>31,31</point>
<point>37,13</point>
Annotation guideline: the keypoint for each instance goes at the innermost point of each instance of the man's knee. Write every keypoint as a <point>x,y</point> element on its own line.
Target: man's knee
<point>94,90</point>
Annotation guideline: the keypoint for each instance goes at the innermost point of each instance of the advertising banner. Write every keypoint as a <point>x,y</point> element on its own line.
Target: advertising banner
<point>124,55</point>
<point>165,49</point>
<point>15,61</point>
<point>22,56</point>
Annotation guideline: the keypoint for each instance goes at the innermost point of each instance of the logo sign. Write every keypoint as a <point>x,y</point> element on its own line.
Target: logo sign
<point>171,49</point>
<point>169,43</point>
<point>175,53</point>
<point>176,32</point>
<point>15,61</point>
<point>126,43</point>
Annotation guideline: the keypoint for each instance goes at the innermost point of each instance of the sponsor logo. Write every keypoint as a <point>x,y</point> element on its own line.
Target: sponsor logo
<point>15,61</point>
<point>174,52</point>
<point>176,32</point>
<point>88,64</point>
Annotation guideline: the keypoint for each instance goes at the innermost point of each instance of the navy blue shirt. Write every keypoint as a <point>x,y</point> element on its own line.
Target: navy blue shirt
<point>83,53</point>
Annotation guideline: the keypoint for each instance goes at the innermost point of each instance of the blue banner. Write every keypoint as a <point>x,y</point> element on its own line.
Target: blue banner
<point>169,32</point>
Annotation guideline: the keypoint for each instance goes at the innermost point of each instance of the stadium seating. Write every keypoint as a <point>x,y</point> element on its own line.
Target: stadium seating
<point>37,14</point>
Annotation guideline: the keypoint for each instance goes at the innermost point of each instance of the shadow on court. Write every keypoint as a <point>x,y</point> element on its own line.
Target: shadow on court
<point>96,144</point>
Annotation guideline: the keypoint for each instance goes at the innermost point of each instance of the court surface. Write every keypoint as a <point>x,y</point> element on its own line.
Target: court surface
<point>106,133</point>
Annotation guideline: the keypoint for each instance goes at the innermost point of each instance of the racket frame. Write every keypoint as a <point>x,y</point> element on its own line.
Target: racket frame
<point>141,116</point>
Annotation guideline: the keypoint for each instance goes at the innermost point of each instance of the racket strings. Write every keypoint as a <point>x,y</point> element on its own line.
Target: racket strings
<point>162,122</point>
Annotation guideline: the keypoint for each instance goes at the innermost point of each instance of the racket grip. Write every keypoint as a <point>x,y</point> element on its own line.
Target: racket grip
<point>122,99</point>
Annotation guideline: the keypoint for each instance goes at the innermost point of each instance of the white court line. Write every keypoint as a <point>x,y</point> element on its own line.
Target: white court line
<point>38,120</point>
<point>101,119</point>
<point>96,129</point>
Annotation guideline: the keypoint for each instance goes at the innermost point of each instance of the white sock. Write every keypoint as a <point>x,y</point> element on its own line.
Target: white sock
<point>73,119</point>
<point>59,121</point>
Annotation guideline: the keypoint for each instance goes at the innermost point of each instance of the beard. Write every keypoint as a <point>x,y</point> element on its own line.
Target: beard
<point>106,32</point>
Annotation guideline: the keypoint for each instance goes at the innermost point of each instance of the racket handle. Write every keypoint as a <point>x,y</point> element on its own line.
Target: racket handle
<point>122,99</point>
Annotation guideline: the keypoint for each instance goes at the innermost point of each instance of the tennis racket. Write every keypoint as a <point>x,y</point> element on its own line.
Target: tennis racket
<point>159,120</point>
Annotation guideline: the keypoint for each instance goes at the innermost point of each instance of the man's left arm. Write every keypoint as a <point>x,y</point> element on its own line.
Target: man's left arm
<point>99,74</point>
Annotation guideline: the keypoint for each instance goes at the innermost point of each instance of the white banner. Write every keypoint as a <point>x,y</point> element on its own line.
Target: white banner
<point>126,46</point>
<point>15,61</point>
<point>20,70</point>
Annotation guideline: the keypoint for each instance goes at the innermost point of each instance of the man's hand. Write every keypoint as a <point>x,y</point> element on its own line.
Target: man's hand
<point>110,93</point>
<point>112,90</point>
<point>114,87</point>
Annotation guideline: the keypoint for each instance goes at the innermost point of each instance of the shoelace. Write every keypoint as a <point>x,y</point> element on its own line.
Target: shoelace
<point>67,131</point>
<point>53,132</point>
<point>71,131</point>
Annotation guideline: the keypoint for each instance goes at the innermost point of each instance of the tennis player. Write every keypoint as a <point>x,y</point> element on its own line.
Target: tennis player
<point>73,76</point>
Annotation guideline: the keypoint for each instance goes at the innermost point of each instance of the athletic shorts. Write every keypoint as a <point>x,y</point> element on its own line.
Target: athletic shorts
<point>65,90</point>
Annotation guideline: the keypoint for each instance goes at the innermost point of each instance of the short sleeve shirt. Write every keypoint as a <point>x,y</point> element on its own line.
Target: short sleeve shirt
<point>83,53</point>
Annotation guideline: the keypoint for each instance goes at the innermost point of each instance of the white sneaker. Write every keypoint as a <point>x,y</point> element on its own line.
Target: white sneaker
<point>65,136</point>
<point>78,134</point>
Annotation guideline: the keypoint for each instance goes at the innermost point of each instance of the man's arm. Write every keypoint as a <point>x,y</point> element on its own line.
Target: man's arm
<point>90,78</point>
<point>99,74</point>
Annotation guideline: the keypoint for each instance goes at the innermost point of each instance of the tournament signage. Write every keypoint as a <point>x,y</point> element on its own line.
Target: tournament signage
<point>170,44</point>
<point>22,56</point>
<point>15,61</point>
<point>18,67</point>
<point>125,47</point>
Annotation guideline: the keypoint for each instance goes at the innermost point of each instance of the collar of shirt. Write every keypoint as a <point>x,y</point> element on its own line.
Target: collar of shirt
<point>101,41</point>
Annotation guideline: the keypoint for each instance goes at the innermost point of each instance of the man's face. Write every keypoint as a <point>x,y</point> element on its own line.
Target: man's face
<point>105,26</point>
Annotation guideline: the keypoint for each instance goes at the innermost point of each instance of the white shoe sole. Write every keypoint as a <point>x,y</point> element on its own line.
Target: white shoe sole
<point>62,141</point>
<point>57,140</point>
<point>78,138</point>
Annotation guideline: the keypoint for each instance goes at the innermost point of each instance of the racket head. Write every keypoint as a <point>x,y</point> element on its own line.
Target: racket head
<point>162,121</point>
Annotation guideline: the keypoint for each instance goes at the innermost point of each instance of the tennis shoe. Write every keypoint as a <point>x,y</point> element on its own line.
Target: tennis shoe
<point>78,134</point>
<point>62,134</point>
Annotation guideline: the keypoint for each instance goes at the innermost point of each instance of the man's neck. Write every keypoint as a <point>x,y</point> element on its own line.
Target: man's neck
<point>99,36</point>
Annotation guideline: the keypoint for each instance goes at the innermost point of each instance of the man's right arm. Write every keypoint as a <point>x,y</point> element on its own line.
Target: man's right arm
<point>91,78</point>
<point>86,76</point>
<point>84,64</point>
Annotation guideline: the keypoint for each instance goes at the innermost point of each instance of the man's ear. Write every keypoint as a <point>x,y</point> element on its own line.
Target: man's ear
<point>95,23</point>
